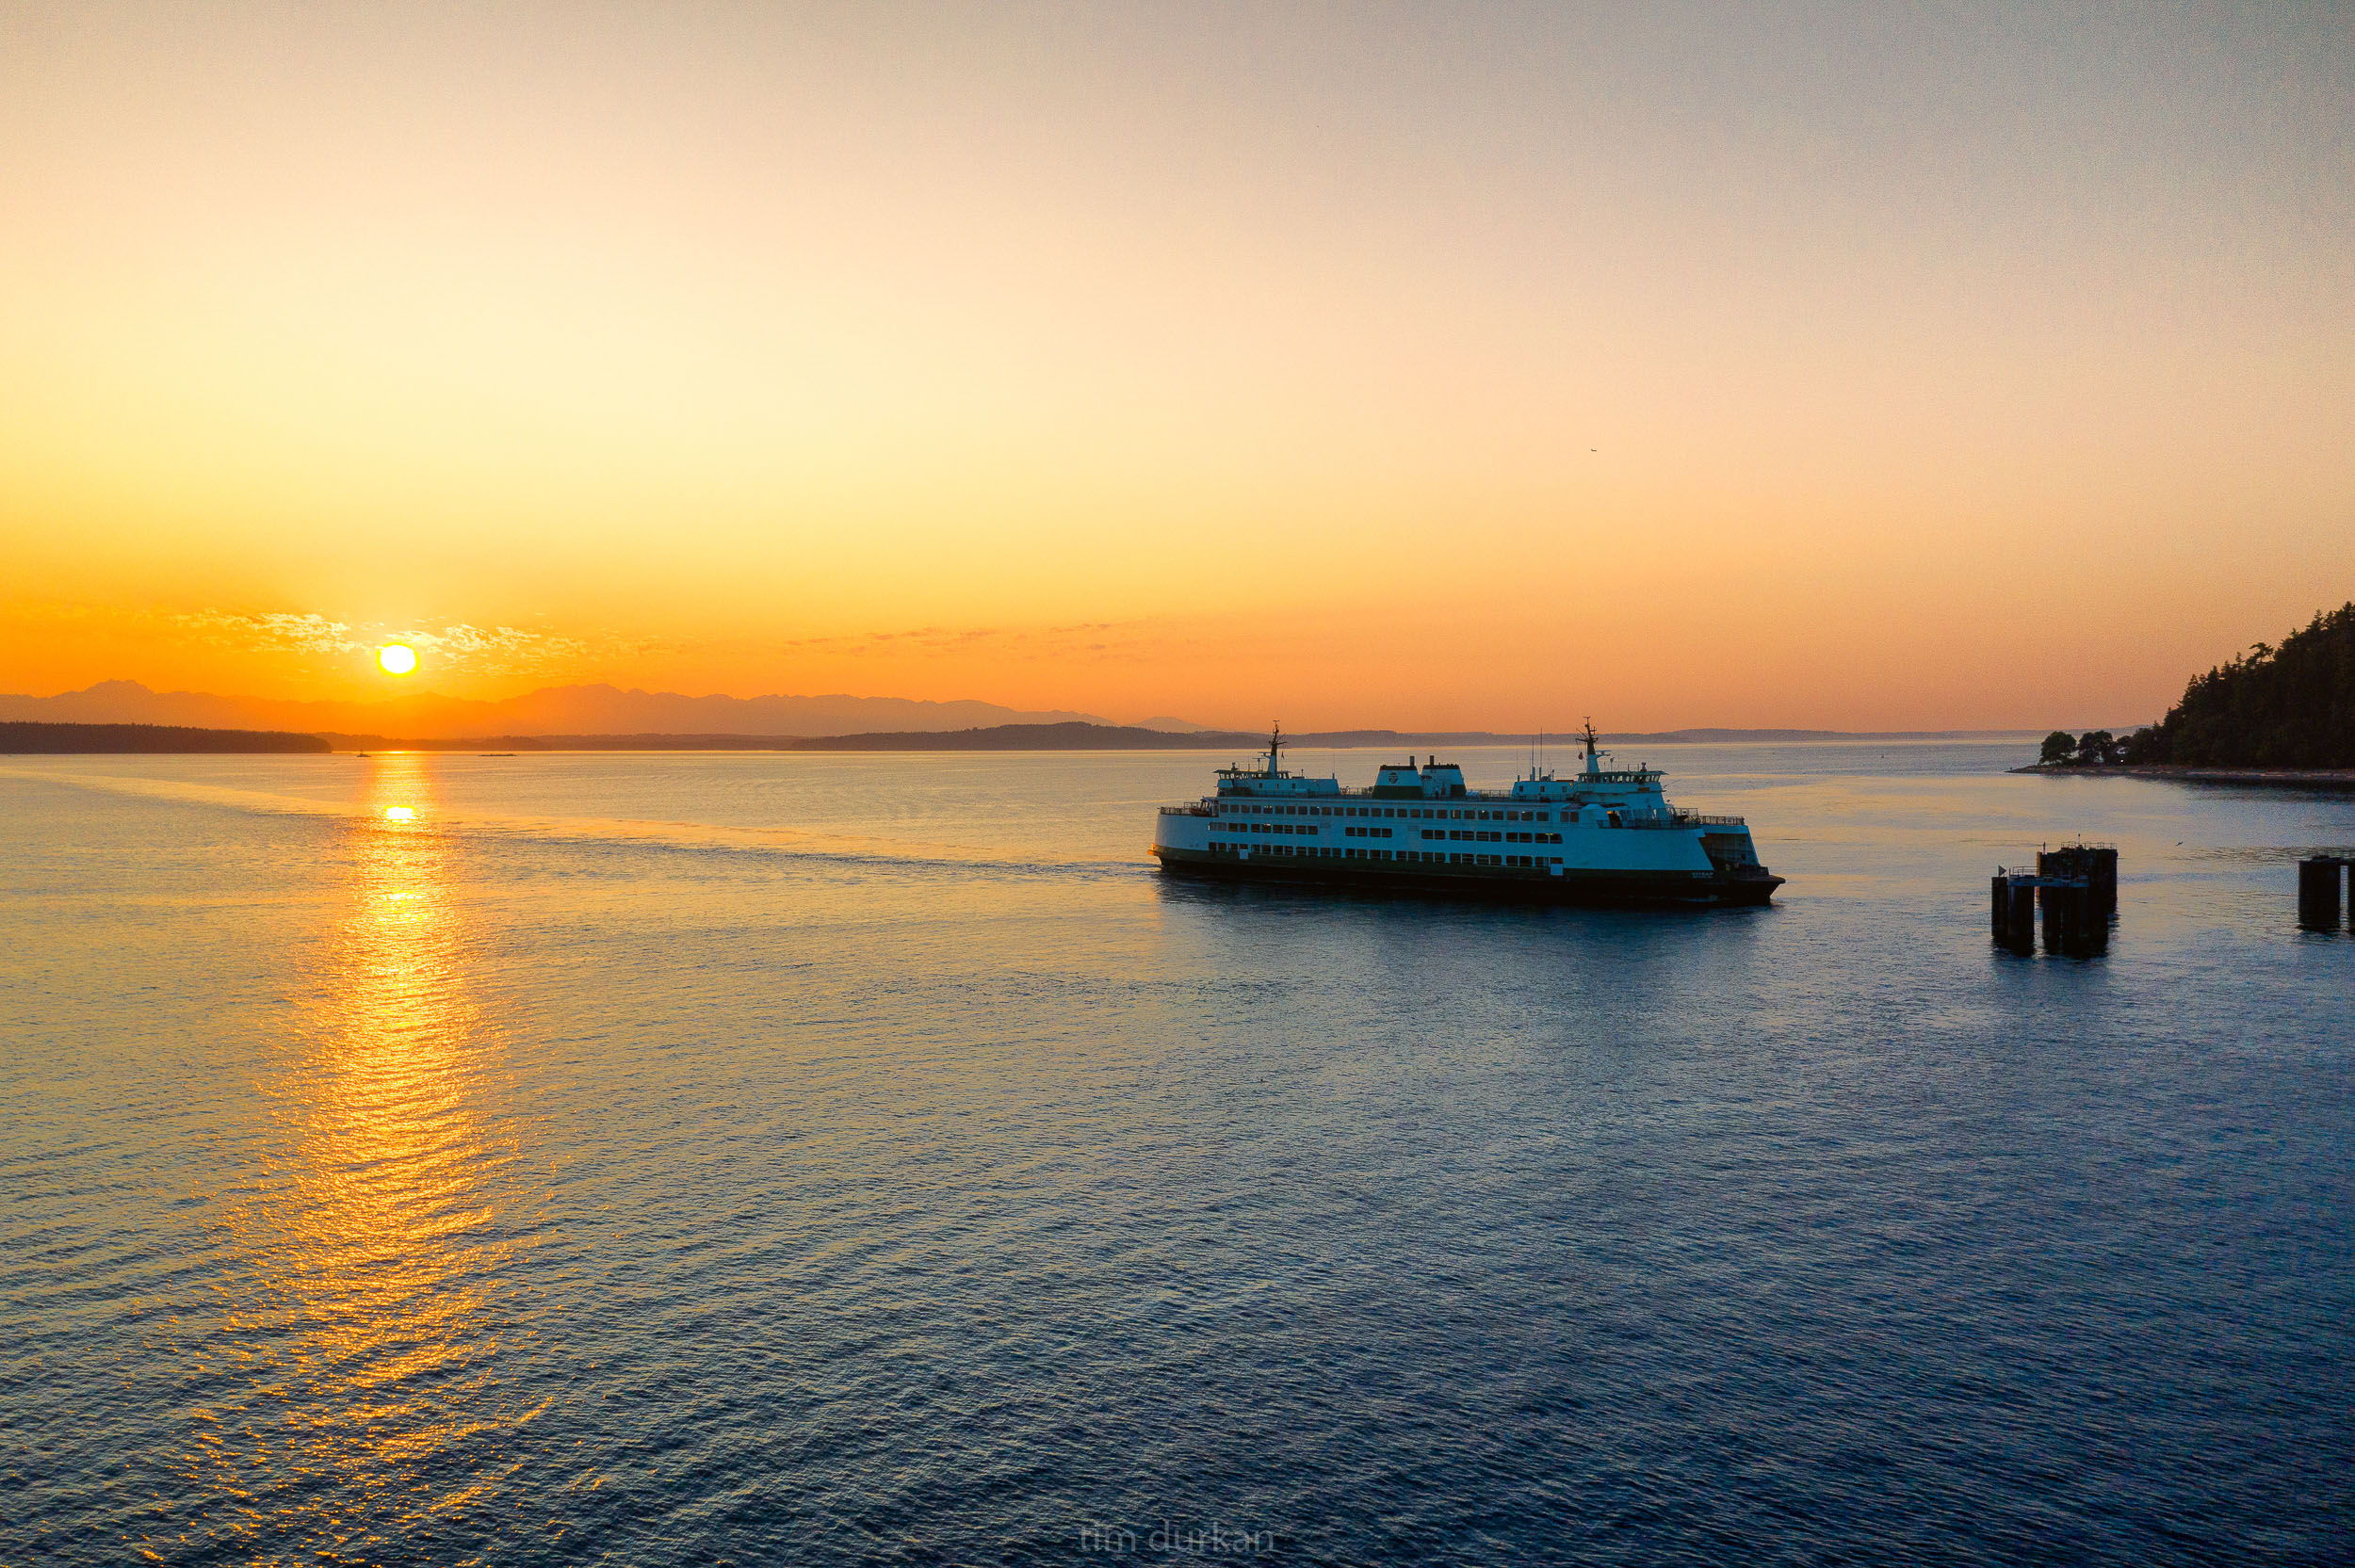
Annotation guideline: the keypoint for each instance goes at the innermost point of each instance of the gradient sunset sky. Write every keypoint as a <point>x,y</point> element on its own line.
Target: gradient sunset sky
<point>1425,366</point>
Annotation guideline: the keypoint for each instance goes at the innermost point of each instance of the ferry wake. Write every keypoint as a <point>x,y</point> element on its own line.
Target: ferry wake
<point>1602,837</point>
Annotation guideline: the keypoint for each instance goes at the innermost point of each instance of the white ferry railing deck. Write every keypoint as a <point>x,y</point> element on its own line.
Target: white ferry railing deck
<point>1673,820</point>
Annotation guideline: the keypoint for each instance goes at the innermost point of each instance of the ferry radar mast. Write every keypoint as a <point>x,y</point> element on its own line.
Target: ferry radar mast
<point>1593,765</point>
<point>1274,748</point>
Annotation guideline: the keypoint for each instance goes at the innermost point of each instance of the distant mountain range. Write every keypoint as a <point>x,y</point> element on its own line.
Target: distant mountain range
<point>593,717</point>
<point>567,710</point>
<point>1070,736</point>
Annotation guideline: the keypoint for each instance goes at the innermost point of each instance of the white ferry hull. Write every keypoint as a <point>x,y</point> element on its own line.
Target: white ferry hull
<point>1583,885</point>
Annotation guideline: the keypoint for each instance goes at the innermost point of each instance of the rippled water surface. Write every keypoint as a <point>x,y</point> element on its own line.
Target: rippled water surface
<point>695,1158</point>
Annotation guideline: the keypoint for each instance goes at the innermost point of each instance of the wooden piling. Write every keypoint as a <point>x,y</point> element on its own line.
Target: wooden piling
<point>2064,917</point>
<point>2318,893</point>
<point>2020,896</point>
<point>2102,874</point>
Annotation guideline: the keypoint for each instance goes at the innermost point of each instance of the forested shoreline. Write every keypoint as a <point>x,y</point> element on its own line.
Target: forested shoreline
<point>2291,706</point>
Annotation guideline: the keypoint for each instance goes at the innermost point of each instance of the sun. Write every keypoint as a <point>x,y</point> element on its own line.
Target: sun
<point>398,659</point>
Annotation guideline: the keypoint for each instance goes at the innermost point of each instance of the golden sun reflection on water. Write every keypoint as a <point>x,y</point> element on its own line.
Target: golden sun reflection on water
<point>377,1239</point>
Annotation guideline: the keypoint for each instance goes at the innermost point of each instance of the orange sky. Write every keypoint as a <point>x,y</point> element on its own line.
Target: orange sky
<point>1427,367</point>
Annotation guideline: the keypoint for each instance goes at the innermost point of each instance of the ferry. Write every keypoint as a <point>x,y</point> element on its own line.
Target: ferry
<point>1602,836</point>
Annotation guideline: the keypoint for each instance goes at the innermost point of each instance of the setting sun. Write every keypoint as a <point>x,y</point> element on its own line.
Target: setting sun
<point>398,659</point>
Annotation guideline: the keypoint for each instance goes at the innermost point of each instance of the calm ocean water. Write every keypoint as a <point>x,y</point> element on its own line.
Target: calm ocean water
<point>735,1158</point>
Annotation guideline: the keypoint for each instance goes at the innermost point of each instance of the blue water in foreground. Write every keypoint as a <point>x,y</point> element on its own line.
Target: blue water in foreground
<point>728,1158</point>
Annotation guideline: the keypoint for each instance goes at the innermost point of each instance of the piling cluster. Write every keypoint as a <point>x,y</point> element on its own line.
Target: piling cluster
<point>2076,888</point>
<point>2318,883</point>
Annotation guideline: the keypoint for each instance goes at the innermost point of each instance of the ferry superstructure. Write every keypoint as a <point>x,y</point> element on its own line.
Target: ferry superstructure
<point>1602,836</point>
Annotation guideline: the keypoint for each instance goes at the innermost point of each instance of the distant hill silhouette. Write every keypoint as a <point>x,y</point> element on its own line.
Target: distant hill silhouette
<point>62,740</point>
<point>1079,737</point>
<point>574,710</point>
<point>1069,737</point>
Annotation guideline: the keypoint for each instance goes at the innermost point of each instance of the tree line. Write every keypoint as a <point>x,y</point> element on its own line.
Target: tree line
<point>2290,707</point>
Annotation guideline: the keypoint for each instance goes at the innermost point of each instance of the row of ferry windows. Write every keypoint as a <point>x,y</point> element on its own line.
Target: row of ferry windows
<point>1415,856</point>
<point>1416,812</point>
<point>1481,836</point>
